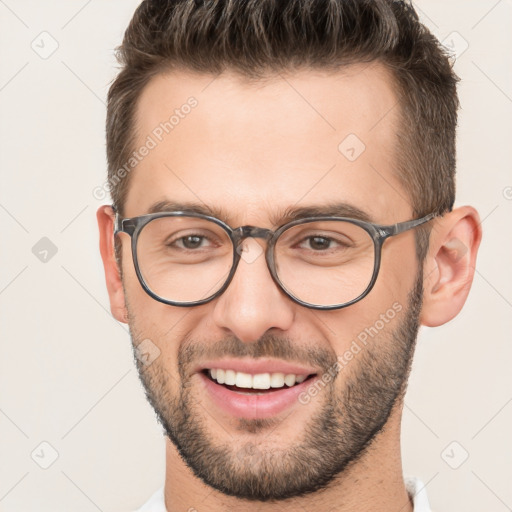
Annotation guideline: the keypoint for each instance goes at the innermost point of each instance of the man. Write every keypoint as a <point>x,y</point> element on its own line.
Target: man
<point>282,176</point>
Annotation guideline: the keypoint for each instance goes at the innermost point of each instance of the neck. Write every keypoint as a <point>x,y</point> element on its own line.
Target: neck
<point>373,482</point>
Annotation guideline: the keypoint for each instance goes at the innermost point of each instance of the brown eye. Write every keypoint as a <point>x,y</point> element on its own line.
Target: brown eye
<point>319,242</point>
<point>191,241</point>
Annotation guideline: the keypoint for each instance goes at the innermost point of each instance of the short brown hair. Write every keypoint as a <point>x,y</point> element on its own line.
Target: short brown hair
<point>255,37</point>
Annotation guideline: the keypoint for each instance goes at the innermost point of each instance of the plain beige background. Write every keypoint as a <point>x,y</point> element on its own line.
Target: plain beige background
<point>67,378</point>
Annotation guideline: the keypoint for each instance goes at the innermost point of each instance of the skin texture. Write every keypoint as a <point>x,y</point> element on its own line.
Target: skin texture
<point>253,150</point>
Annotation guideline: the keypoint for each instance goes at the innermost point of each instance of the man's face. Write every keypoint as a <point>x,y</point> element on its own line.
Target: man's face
<point>253,151</point>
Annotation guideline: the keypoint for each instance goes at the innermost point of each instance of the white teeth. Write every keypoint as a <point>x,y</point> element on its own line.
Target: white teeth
<point>289,379</point>
<point>230,377</point>
<point>258,381</point>
<point>261,381</point>
<point>277,380</point>
<point>243,380</point>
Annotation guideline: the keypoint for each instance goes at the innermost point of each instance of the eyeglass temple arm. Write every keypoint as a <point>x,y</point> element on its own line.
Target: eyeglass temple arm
<point>396,229</point>
<point>122,225</point>
<point>118,223</point>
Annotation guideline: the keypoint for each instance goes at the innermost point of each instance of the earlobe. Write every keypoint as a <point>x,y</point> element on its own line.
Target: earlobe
<point>450,265</point>
<point>105,217</point>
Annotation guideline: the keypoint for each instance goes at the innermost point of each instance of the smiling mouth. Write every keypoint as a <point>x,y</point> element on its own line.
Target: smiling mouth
<point>254,384</point>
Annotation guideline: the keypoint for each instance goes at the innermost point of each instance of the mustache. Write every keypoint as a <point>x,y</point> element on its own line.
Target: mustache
<point>269,345</point>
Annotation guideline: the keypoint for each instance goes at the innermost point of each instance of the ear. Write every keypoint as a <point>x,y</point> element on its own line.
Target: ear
<point>105,216</point>
<point>449,267</point>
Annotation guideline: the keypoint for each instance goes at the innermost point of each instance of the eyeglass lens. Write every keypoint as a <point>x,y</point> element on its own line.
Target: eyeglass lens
<point>187,259</point>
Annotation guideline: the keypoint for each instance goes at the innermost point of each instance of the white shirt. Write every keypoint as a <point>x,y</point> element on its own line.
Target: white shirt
<point>414,487</point>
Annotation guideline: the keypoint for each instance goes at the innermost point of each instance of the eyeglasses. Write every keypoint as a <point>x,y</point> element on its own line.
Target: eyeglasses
<point>188,259</point>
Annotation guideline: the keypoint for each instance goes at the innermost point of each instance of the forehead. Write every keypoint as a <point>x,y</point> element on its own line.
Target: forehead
<point>253,147</point>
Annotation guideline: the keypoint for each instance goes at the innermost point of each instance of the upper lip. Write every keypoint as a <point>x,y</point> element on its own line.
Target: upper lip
<point>255,366</point>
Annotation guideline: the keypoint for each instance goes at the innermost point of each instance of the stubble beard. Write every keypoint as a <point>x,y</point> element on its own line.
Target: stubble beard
<point>347,423</point>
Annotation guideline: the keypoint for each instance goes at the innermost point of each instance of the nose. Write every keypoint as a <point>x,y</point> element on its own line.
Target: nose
<point>253,303</point>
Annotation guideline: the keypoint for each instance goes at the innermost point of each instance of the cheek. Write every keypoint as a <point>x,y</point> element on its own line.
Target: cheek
<point>364,323</point>
<point>399,267</point>
<point>159,326</point>
<point>377,315</point>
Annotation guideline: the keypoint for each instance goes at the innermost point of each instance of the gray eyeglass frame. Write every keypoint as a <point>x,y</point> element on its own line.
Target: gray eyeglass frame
<point>379,234</point>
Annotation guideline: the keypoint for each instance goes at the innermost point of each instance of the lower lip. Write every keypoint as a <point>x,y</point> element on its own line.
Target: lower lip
<point>254,406</point>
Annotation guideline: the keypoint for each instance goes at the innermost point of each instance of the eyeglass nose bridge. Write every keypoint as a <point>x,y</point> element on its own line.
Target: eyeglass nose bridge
<point>243,232</point>
<point>238,235</point>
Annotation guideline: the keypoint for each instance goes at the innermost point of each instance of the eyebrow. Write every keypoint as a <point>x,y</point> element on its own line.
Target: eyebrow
<point>333,209</point>
<point>190,207</point>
